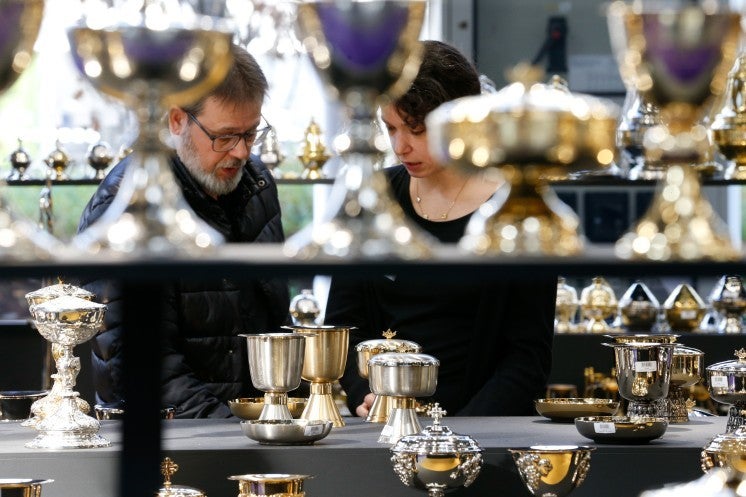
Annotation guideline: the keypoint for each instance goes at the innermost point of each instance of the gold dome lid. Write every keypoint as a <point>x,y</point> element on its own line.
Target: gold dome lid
<point>387,344</point>
<point>168,468</point>
<point>58,290</point>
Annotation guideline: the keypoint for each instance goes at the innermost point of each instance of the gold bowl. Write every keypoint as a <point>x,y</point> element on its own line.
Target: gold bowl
<point>567,409</point>
<point>621,429</point>
<point>249,408</point>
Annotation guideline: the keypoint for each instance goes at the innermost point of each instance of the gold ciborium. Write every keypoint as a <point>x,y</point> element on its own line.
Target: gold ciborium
<point>270,485</point>
<point>597,304</point>
<point>275,365</point>
<point>58,161</point>
<point>565,307</point>
<point>68,321</point>
<point>367,51</point>
<point>552,470</point>
<point>313,153</point>
<point>324,363</point>
<point>638,308</point>
<point>677,56</point>
<point>382,406</point>
<point>270,153</point>
<point>532,133</point>
<point>684,308</point>
<point>151,61</point>
<point>729,299</point>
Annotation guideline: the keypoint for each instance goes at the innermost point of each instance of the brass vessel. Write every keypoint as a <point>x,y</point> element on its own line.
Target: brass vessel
<point>684,308</point>
<point>552,470</point>
<point>638,308</point>
<point>313,153</point>
<point>597,304</point>
<point>270,485</point>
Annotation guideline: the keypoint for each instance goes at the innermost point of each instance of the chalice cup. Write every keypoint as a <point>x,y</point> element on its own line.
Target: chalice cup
<point>687,364</point>
<point>677,55</point>
<point>19,24</point>
<point>383,404</point>
<point>643,373</point>
<point>368,53</point>
<point>323,364</point>
<point>552,470</point>
<point>68,321</point>
<point>150,66</point>
<point>403,377</point>
<point>532,133</point>
<point>275,364</point>
<point>729,299</point>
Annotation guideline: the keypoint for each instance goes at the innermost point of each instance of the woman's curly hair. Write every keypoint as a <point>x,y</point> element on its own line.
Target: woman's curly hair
<point>445,74</point>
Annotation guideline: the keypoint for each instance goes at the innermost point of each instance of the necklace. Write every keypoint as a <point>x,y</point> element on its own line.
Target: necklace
<point>443,216</point>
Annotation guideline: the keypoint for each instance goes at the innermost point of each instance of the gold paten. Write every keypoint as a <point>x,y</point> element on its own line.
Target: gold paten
<point>532,133</point>
<point>313,154</point>
<point>552,470</point>
<point>598,303</point>
<point>680,224</point>
<point>684,308</point>
<point>565,308</point>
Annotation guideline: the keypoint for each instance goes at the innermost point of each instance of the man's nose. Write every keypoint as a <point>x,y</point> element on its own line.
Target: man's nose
<point>242,150</point>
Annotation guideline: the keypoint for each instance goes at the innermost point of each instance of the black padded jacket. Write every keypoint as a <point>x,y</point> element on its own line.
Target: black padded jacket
<point>204,361</point>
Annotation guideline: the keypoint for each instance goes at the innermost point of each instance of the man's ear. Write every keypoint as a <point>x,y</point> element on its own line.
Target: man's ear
<point>177,120</point>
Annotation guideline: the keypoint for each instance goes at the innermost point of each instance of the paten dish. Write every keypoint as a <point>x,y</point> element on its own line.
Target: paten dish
<point>249,408</point>
<point>567,409</point>
<point>620,429</point>
<point>286,432</point>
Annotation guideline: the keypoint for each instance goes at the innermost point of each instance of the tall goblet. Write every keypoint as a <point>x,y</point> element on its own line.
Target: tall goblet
<point>150,65</point>
<point>323,364</point>
<point>676,54</point>
<point>552,470</point>
<point>275,364</point>
<point>368,52</point>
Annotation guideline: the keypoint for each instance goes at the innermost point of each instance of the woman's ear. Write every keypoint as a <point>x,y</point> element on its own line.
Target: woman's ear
<point>177,120</point>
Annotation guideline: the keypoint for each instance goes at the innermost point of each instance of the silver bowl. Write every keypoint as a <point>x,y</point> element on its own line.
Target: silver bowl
<point>286,432</point>
<point>621,430</point>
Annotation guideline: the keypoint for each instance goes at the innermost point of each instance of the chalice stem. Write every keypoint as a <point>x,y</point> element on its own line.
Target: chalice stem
<point>321,405</point>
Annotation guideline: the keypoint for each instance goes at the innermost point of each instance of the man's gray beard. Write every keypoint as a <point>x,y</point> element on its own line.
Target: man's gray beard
<point>213,185</point>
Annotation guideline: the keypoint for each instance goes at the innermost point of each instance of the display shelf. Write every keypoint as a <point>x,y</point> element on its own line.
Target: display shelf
<point>350,462</point>
<point>55,182</point>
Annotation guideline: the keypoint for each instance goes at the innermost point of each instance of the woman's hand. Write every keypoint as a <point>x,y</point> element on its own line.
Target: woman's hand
<point>363,409</point>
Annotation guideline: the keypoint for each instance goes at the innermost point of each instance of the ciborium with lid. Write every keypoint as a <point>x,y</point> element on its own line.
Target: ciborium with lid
<point>684,308</point>
<point>168,468</point>
<point>727,384</point>
<point>437,459</point>
<point>598,303</point>
<point>565,307</point>
<point>638,308</point>
<point>728,298</point>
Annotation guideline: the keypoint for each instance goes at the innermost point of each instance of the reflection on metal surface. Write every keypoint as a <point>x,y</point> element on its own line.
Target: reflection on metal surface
<point>552,470</point>
<point>270,485</point>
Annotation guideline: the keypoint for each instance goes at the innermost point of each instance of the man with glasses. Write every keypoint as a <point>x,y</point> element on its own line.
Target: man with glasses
<point>204,360</point>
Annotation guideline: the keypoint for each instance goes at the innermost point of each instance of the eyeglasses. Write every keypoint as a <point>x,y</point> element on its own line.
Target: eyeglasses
<point>226,143</point>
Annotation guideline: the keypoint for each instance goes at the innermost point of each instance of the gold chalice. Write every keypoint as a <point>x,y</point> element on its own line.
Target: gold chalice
<point>368,53</point>
<point>150,64</point>
<point>532,133</point>
<point>676,54</point>
<point>324,363</point>
<point>552,470</point>
<point>597,304</point>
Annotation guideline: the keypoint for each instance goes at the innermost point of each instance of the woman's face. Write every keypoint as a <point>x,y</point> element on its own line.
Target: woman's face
<point>409,144</point>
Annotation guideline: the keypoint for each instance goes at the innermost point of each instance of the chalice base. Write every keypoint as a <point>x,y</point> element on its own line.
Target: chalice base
<point>321,405</point>
<point>275,407</point>
<point>680,225</point>
<point>402,422</point>
<point>380,410</point>
<point>674,407</point>
<point>68,428</point>
<point>523,219</point>
<point>646,408</point>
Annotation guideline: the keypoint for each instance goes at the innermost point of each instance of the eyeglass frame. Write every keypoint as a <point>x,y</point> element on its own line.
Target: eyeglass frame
<point>249,137</point>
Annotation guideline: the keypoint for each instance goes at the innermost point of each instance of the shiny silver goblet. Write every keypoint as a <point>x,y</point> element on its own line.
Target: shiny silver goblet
<point>150,69</point>
<point>367,51</point>
<point>726,381</point>
<point>276,363</point>
<point>552,470</point>
<point>687,364</point>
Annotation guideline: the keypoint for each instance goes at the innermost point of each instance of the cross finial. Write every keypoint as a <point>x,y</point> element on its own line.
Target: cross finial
<point>389,334</point>
<point>436,413</point>
<point>168,468</point>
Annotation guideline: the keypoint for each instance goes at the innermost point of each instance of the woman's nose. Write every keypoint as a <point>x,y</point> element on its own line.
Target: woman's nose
<point>399,144</point>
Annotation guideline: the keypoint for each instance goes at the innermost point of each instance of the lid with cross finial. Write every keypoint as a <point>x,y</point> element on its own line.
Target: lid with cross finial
<point>388,344</point>
<point>737,366</point>
<point>436,439</point>
<point>168,468</point>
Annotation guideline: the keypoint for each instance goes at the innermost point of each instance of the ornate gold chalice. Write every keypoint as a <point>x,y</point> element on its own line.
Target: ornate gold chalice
<point>151,63</point>
<point>324,363</point>
<point>533,133</point>
<point>565,307</point>
<point>729,299</point>
<point>367,51</point>
<point>726,381</point>
<point>437,459</point>
<point>684,308</point>
<point>677,56</point>
<point>552,470</point>
<point>638,308</point>
<point>403,377</point>
<point>382,406</point>
<point>68,321</point>
<point>275,365</point>
<point>270,485</point>
<point>597,304</point>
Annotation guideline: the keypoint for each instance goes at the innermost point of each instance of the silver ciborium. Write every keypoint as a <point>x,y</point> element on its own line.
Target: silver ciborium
<point>637,117</point>
<point>729,299</point>
<point>552,470</point>
<point>437,459</point>
<point>68,321</point>
<point>382,405</point>
<point>368,52</point>
<point>687,364</point>
<point>565,307</point>
<point>151,61</point>
<point>677,55</point>
<point>324,363</point>
<point>727,384</point>
<point>275,364</point>
<point>643,373</point>
<point>403,377</point>
<point>305,308</point>
<point>19,161</point>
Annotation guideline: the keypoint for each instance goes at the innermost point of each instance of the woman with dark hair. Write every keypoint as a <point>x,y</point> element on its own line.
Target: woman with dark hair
<point>493,338</point>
